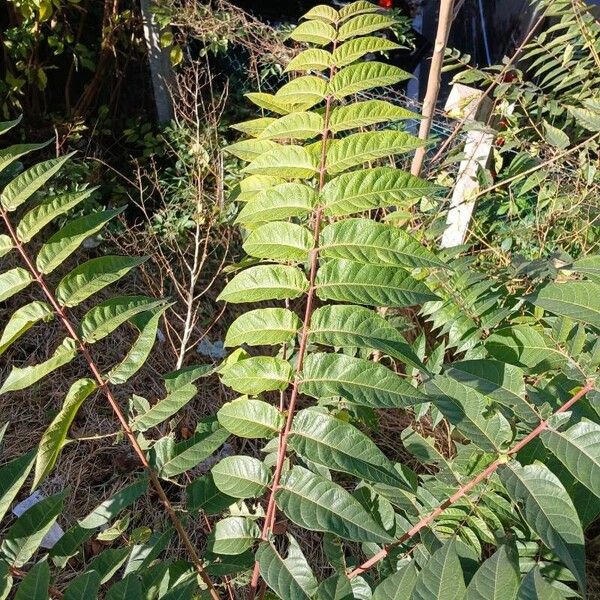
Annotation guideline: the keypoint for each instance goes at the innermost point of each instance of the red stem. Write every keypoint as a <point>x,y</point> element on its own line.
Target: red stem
<point>314,265</point>
<point>103,385</point>
<point>465,489</point>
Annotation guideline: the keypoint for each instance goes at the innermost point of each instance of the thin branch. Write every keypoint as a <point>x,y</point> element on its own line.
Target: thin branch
<point>465,489</point>
<point>103,385</point>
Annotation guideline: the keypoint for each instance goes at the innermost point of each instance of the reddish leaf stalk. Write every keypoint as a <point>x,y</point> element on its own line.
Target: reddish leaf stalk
<point>314,265</point>
<point>465,489</point>
<point>103,385</point>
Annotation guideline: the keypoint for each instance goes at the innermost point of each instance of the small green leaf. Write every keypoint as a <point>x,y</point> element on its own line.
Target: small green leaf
<point>65,241</point>
<point>105,317</point>
<point>25,535</point>
<point>92,276</point>
<point>549,511</point>
<point>358,381</point>
<point>318,504</point>
<point>241,476</point>
<point>233,535</point>
<point>263,326</point>
<point>257,374</point>
<point>37,218</point>
<point>6,245</point>
<point>54,438</point>
<point>347,281</point>
<point>35,583</point>
<point>12,476</point>
<point>13,281</point>
<point>249,418</point>
<point>290,578</point>
<point>335,444</point>
<point>22,320</point>
<point>165,408</point>
<point>265,282</point>
<point>7,157</point>
<point>21,378</point>
<point>280,242</point>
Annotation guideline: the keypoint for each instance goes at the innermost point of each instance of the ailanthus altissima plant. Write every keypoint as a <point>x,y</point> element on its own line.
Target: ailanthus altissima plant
<point>487,489</point>
<point>494,516</point>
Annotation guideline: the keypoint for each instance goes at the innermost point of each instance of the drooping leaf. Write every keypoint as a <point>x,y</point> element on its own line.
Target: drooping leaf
<point>241,476</point>
<point>470,413</point>
<point>549,511</point>
<point>357,381</point>
<point>233,535</point>
<point>352,50</point>
<point>579,300</point>
<point>254,127</point>
<point>278,203</point>
<point>578,448</point>
<point>295,126</point>
<point>250,418</point>
<point>355,326</point>
<point>318,504</point>
<point>280,242</point>
<point>372,188</point>
<point>13,281</point>
<point>164,408</point>
<point>8,125</point>
<point>359,7</point>
<point>105,317</point>
<point>35,583</point>
<point>368,242</point>
<point>291,162</point>
<point>338,445</point>
<point>442,576</point>
<point>25,535</point>
<point>364,76</point>
<point>92,276</point>
<point>65,241</point>
<point>269,102</point>
<point>359,148</point>
<point>498,578</point>
<point>37,218</point>
<point>398,586</point>
<point>22,320</point>
<point>139,351</point>
<point>290,578</point>
<point>265,282</point>
<point>54,438</point>
<point>347,281</point>
<point>108,562</point>
<point>263,326</point>
<point>257,374</point>
<point>248,188</point>
<point>6,245</point>
<point>21,378</point>
<point>12,476</point>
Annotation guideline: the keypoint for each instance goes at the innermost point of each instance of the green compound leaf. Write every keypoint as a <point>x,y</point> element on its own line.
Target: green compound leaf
<point>290,162</point>
<point>353,50</point>
<point>295,126</point>
<point>313,59</point>
<point>498,578</point>
<point>262,327</point>
<point>365,114</point>
<point>280,242</point>
<point>257,374</point>
<point>364,76</point>
<point>442,577</point>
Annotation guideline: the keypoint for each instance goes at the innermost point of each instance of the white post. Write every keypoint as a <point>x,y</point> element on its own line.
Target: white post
<point>478,146</point>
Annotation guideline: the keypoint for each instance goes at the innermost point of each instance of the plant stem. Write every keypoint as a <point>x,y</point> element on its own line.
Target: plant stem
<point>103,385</point>
<point>433,81</point>
<point>465,489</point>
<point>314,265</point>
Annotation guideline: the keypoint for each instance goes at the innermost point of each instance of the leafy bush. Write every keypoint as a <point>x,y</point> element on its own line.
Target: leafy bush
<point>483,491</point>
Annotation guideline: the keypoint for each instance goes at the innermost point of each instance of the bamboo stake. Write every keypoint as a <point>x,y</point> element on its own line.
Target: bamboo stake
<point>433,81</point>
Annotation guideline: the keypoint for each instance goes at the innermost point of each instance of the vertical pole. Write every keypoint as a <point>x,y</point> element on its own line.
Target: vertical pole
<point>161,71</point>
<point>433,81</point>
